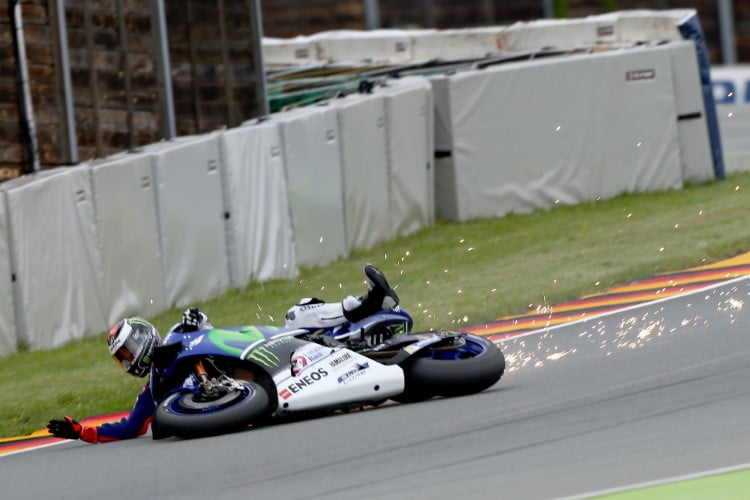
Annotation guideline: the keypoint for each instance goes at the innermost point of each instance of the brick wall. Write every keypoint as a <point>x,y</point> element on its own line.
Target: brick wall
<point>113,69</point>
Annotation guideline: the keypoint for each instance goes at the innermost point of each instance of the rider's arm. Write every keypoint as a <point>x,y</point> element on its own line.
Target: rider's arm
<point>131,426</point>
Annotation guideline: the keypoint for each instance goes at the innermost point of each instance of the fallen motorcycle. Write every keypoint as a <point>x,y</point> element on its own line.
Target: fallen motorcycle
<point>224,379</point>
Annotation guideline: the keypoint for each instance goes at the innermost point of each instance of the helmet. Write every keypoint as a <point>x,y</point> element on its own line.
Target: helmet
<point>131,343</point>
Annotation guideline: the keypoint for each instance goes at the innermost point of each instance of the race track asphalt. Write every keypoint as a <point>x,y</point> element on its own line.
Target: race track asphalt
<point>644,394</point>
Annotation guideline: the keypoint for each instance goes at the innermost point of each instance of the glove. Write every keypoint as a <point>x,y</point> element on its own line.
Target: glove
<point>66,429</point>
<point>192,319</point>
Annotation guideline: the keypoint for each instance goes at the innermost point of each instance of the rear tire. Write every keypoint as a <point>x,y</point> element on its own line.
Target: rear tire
<point>182,415</point>
<point>469,370</point>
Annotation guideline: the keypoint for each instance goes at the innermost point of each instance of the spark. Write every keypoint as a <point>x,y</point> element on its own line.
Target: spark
<point>676,226</point>
<point>629,216</point>
<point>639,144</point>
<point>730,114</point>
<point>736,188</point>
<point>661,249</point>
<point>470,249</point>
<point>321,240</point>
<point>558,128</point>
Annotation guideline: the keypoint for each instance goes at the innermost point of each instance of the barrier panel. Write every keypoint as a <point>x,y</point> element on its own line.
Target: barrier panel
<point>731,86</point>
<point>527,136</point>
<point>391,46</point>
<point>8,339</point>
<point>126,223</point>
<point>54,257</point>
<point>409,128</point>
<point>456,43</point>
<point>692,131</point>
<point>190,211</point>
<point>315,186</point>
<point>365,169</point>
<point>259,229</point>
<point>299,50</point>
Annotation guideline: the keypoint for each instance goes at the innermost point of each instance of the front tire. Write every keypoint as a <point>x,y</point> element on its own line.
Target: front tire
<point>183,415</point>
<point>468,370</point>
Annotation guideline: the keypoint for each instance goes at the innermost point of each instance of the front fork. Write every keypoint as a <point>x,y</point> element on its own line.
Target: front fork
<point>207,387</point>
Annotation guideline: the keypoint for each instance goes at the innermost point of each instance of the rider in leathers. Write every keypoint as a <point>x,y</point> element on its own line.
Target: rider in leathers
<point>132,340</point>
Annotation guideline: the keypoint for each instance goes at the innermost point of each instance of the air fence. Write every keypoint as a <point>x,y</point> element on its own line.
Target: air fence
<point>183,221</point>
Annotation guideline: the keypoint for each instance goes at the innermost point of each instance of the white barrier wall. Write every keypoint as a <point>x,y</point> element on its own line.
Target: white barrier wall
<point>409,127</point>
<point>190,211</point>
<point>8,339</point>
<point>55,257</point>
<point>126,222</point>
<point>259,226</point>
<point>692,131</point>
<point>731,85</point>
<point>392,46</point>
<point>315,185</point>
<point>527,136</point>
<point>365,164</point>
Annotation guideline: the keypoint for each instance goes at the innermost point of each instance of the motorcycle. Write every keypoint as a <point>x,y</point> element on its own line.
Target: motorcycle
<point>225,379</point>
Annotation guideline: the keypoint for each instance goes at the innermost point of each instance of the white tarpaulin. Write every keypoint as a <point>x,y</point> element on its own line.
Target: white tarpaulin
<point>314,182</point>
<point>695,148</point>
<point>259,226</point>
<point>55,257</point>
<point>190,210</point>
<point>529,135</point>
<point>408,104</point>
<point>125,207</point>
<point>8,339</point>
<point>365,166</point>
<point>731,86</point>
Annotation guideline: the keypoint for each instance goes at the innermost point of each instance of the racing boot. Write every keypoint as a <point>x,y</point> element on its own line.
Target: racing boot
<point>380,296</point>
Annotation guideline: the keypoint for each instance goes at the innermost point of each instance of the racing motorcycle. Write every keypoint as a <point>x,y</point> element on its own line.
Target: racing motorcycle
<point>225,379</point>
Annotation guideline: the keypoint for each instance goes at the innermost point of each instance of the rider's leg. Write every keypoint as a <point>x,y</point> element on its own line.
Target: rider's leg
<point>380,296</point>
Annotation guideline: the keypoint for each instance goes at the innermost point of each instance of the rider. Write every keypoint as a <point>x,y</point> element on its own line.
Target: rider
<point>131,343</point>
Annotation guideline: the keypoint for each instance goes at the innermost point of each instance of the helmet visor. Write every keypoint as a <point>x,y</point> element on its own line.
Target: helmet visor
<point>127,353</point>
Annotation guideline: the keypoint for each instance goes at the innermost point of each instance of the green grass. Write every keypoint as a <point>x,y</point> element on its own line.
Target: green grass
<point>449,275</point>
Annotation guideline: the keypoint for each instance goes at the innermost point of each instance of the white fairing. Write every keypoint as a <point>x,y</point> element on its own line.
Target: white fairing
<point>335,376</point>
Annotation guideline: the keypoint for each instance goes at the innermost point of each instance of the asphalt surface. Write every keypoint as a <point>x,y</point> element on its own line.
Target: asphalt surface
<point>657,391</point>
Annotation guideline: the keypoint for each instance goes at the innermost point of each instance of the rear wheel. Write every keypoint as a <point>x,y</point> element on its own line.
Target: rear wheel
<point>471,368</point>
<point>188,415</point>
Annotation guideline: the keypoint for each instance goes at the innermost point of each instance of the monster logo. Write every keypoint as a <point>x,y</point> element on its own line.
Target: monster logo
<point>264,356</point>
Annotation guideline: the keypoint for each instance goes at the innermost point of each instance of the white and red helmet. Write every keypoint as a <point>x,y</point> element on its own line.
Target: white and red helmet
<point>131,343</point>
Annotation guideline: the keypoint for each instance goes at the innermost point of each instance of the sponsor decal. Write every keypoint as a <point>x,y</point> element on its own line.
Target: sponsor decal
<point>278,341</point>
<point>299,363</point>
<point>308,307</point>
<point>195,342</point>
<point>264,356</point>
<point>352,374</point>
<point>340,359</point>
<point>607,30</point>
<point>640,74</point>
<point>300,384</point>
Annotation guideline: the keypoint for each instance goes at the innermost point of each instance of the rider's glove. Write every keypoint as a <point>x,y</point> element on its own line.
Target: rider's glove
<point>193,319</point>
<point>67,428</point>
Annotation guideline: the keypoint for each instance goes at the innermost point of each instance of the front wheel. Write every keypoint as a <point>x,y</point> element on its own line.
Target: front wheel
<point>184,414</point>
<point>469,369</point>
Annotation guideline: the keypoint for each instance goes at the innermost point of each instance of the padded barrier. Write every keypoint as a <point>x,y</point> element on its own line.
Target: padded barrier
<point>8,339</point>
<point>190,210</point>
<point>365,168</point>
<point>731,90</point>
<point>259,226</point>
<point>408,105</point>
<point>314,181</point>
<point>54,257</point>
<point>607,122</point>
<point>695,148</point>
<point>455,43</point>
<point>391,46</point>
<point>126,221</point>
